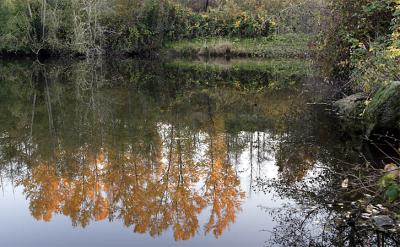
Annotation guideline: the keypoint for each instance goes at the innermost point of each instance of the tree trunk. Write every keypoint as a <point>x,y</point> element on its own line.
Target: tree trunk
<point>43,18</point>
<point>206,7</point>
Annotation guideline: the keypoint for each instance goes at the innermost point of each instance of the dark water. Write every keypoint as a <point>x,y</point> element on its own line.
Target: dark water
<point>181,153</point>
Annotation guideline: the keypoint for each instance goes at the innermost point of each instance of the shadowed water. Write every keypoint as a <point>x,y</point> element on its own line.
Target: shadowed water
<point>145,153</point>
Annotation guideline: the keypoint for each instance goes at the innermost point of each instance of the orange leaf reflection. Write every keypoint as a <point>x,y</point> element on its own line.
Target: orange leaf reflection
<point>149,189</point>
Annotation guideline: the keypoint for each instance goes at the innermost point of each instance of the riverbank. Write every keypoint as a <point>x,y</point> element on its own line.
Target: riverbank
<point>379,112</point>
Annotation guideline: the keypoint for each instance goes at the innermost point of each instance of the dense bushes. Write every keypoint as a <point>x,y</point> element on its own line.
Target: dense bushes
<point>377,63</point>
<point>13,37</point>
<point>92,27</point>
<point>124,26</point>
<point>57,26</point>
<point>362,42</point>
<point>161,21</point>
<point>299,16</point>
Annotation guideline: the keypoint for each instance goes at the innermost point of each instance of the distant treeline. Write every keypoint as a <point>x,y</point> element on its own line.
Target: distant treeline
<point>88,27</point>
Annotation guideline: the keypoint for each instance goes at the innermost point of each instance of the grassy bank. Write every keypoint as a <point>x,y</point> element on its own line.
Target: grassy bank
<point>277,46</point>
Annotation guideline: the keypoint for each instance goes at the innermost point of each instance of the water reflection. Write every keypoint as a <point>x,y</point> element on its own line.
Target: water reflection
<point>320,218</point>
<point>139,188</point>
<point>152,145</point>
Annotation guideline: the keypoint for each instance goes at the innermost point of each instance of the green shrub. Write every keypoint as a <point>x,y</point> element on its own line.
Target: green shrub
<point>162,21</point>
<point>389,182</point>
<point>352,27</point>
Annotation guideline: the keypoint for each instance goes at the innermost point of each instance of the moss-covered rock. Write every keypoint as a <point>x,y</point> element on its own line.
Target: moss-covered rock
<point>351,107</point>
<point>383,112</point>
<point>349,110</point>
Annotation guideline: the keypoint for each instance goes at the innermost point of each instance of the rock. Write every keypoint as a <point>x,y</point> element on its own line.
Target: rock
<point>382,221</point>
<point>351,106</point>
<point>383,112</point>
<point>350,110</point>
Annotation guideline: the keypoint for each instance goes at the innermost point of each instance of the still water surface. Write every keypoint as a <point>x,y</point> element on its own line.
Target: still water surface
<point>144,153</point>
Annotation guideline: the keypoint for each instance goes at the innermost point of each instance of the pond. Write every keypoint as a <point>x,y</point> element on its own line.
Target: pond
<point>168,153</point>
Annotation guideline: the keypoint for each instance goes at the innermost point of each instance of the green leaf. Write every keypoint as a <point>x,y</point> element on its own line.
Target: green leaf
<point>392,192</point>
<point>387,180</point>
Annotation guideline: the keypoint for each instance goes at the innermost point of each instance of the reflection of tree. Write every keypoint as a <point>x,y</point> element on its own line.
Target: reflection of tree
<point>43,190</point>
<point>148,177</point>
<point>144,192</point>
<point>295,160</point>
<point>322,213</point>
<point>222,184</point>
<point>321,226</point>
<point>138,149</point>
